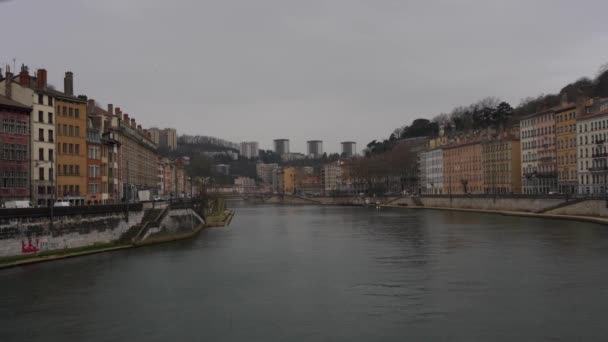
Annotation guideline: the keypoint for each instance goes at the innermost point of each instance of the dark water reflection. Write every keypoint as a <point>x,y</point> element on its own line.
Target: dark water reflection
<point>327,274</point>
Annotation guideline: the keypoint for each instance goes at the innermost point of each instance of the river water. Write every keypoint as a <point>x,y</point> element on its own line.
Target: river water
<point>307,273</point>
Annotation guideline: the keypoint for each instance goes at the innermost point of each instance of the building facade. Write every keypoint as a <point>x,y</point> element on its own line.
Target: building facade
<point>314,148</point>
<point>431,166</point>
<point>501,165</point>
<point>592,154</point>
<point>265,171</point>
<point>349,149</point>
<point>94,165</point>
<point>331,178</point>
<point>32,92</point>
<point>565,135</point>
<point>462,166</point>
<point>538,153</point>
<point>281,146</point>
<point>14,151</point>
<point>71,143</point>
<point>249,149</point>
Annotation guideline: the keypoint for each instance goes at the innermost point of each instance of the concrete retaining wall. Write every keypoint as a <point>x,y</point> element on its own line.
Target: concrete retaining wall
<point>28,236</point>
<point>595,208</point>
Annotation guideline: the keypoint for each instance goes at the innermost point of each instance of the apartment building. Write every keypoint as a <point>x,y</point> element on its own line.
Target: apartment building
<point>32,91</point>
<point>501,165</point>
<point>592,150</point>
<point>463,168</point>
<point>431,171</point>
<point>538,153</point>
<point>71,143</point>
<point>565,135</point>
<point>14,150</point>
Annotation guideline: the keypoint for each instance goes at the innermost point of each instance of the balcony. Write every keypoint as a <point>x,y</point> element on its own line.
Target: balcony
<point>599,155</point>
<point>546,174</point>
<point>598,169</point>
<point>546,160</point>
<point>600,141</point>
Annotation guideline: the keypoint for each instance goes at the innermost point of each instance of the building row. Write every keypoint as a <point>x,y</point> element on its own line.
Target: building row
<point>59,146</point>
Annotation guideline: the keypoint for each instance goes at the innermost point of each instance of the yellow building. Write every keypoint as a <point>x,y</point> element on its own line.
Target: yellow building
<point>565,131</point>
<point>289,180</point>
<point>71,126</point>
<point>501,163</point>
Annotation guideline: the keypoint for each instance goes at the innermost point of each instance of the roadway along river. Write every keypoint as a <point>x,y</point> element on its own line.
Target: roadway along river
<point>327,274</point>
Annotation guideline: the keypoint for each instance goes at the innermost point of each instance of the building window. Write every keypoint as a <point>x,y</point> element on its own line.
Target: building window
<point>50,117</point>
<point>65,170</point>
<point>71,170</point>
<point>76,113</point>
<point>65,148</point>
<point>77,149</point>
<point>64,110</point>
<point>77,189</point>
<point>77,131</point>
<point>41,173</point>
<point>51,135</point>
<point>71,130</point>
<point>65,129</point>
<point>40,116</point>
<point>50,100</point>
<point>41,134</point>
<point>70,112</point>
<point>40,154</point>
<point>40,99</point>
<point>77,169</point>
<point>51,155</point>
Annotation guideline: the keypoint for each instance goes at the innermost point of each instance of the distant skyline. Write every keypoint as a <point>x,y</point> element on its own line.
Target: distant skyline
<point>327,70</point>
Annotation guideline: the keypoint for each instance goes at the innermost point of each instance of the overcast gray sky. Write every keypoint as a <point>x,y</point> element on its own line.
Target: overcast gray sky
<point>308,69</point>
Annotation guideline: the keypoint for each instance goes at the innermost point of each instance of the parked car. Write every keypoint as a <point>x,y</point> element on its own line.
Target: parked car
<point>62,204</point>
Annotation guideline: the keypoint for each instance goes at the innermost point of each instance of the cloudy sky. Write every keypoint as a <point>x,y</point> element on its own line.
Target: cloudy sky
<point>330,70</point>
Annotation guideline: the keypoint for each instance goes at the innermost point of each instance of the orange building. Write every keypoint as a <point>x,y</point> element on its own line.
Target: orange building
<point>71,113</point>
<point>462,167</point>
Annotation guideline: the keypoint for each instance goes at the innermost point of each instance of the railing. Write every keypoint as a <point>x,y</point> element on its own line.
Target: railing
<point>598,169</point>
<point>69,211</point>
<point>600,141</point>
<point>599,155</point>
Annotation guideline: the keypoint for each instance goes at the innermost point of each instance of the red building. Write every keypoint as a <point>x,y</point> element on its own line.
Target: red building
<point>14,150</point>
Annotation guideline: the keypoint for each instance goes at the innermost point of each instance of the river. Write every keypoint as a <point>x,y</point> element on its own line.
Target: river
<point>307,273</point>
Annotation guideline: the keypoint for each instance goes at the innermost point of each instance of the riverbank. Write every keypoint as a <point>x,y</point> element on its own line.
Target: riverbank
<point>218,220</point>
<point>590,219</point>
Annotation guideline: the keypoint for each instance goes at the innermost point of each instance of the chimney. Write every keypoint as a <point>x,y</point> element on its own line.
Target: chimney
<point>24,76</point>
<point>41,79</point>
<point>68,83</point>
<point>117,111</point>
<point>133,124</point>
<point>8,89</point>
<point>124,117</point>
<point>110,108</point>
<point>139,128</point>
<point>90,105</point>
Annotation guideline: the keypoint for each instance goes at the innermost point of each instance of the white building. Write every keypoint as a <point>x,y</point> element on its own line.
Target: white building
<point>244,185</point>
<point>592,149</point>
<point>249,149</point>
<point>31,91</point>
<point>331,177</point>
<point>265,171</point>
<point>431,171</point>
